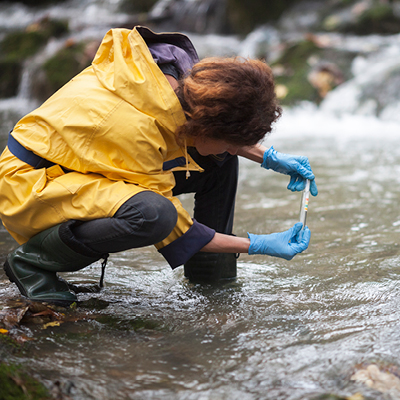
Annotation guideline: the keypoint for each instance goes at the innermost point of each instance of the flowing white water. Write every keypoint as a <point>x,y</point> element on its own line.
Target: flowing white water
<point>81,14</point>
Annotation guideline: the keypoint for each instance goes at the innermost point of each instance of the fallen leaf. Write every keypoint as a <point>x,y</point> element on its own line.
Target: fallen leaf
<point>48,311</point>
<point>36,306</point>
<point>55,323</point>
<point>3,331</point>
<point>11,317</point>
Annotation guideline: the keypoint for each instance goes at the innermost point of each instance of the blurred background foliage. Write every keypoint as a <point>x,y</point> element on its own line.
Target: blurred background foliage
<point>305,68</point>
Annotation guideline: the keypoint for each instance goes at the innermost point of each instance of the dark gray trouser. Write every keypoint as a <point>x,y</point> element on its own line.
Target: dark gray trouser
<point>147,218</point>
<point>143,220</point>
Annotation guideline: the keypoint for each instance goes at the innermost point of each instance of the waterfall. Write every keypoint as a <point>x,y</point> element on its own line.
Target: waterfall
<point>373,92</point>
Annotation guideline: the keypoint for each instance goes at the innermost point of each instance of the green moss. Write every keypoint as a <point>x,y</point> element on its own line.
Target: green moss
<point>53,27</point>
<point>64,66</point>
<point>294,62</point>
<point>9,78</point>
<point>17,46</point>
<point>377,19</point>
<point>296,55</point>
<point>346,2</point>
<point>17,384</point>
<point>293,70</point>
<point>8,347</point>
<point>136,6</point>
<point>36,3</point>
<point>244,16</point>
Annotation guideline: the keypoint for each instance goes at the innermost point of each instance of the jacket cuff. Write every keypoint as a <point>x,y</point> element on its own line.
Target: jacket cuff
<point>183,248</point>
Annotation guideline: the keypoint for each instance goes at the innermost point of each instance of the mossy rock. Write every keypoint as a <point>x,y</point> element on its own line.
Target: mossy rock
<point>63,66</point>
<point>35,3</point>
<point>296,64</point>
<point>244,16</point>
<point>17,46</point>
<point>136,6</point>
<point>52,27</point>
<point>18,384</point>
<point>9,346</point>
<point>296,69</point>
<point>9,78</point>
<point>377,19</point>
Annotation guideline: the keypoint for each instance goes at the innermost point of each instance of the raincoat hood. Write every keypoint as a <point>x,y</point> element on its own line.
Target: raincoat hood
<point>123,65</point>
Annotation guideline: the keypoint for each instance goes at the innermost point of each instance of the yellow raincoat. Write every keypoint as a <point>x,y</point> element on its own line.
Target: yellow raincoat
<point>113,126</point>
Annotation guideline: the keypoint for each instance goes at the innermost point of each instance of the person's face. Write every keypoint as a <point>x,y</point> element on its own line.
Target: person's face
<point>207,146</point>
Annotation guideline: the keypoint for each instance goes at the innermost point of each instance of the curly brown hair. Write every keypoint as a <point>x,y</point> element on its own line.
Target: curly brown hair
<point>230,99</point>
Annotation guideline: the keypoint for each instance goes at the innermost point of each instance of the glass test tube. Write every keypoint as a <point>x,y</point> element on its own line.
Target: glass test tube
<point>304,203</point>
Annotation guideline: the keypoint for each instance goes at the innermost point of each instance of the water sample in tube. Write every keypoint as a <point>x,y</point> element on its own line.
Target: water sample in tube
<point>304,203</point>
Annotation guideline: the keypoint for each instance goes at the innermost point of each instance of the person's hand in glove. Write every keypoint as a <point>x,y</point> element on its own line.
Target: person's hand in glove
<point>284,244</point>
<point>298,167</point>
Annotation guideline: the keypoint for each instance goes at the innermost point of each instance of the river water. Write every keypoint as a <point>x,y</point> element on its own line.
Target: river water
<point>284,330</point>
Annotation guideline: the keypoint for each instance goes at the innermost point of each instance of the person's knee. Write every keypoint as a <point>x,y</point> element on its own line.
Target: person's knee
<point>161,217</point>
<point>150,212</point>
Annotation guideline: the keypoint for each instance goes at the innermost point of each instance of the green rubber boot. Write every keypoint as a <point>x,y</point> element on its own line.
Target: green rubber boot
<point>211,267</point>
<point>33,267</point>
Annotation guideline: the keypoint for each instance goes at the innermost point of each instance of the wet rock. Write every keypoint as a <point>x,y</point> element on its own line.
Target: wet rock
<point>137,6</point>
<point>19,45</point>
<point>94,304</point>
<point>309,69</point>
<point>134,324</point>
<point>356,396</point>
<point>324,77</point>
<point>364,17</point>
<point>291,70</point>
<point>62,67</point>
<point>243,17</point>
<point>15,315</point>
<point>39,2</point>
<point>383,379</point>
<point>11,317</point>
<point>9,78</point>
<point>380,18</point>
<point>16,47</point>
<point>200,16</point>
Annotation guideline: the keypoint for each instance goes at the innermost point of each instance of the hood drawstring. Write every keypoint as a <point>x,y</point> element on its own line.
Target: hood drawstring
<point>187,160</point>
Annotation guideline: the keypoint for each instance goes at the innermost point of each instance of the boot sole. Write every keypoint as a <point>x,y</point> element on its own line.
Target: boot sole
<point>11,276</point>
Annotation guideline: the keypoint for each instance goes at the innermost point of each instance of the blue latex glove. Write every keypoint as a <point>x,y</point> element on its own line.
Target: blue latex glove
<point>297,167</point>
<point>284,244</point>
